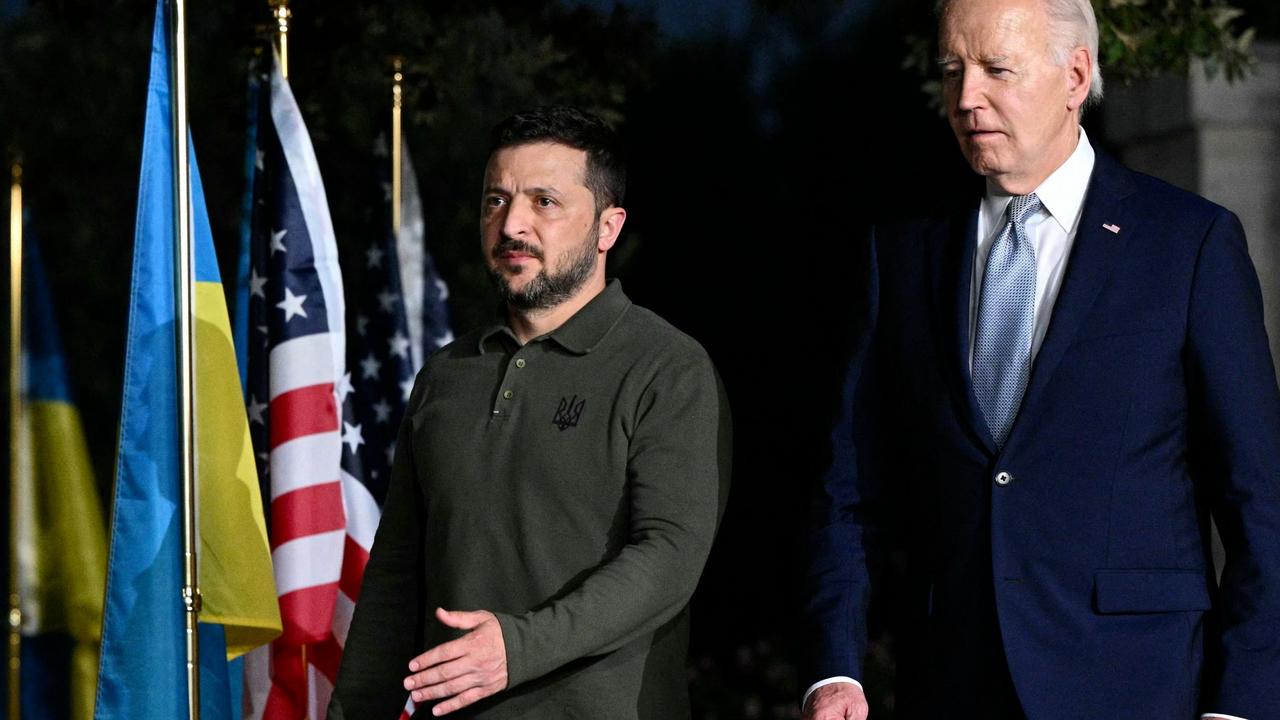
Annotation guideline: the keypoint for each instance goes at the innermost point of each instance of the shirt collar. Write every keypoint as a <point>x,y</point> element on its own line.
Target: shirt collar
<point>1061,194</point>
<point>584,331</point>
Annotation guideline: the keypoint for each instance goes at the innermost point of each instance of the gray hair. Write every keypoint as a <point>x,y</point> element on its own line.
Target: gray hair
<point>1072,24</point>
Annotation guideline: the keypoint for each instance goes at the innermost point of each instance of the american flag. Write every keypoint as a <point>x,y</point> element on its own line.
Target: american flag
<point>296,384</point>
<point>386,350</point>
<point>332,523</point>
<point>426,296</point>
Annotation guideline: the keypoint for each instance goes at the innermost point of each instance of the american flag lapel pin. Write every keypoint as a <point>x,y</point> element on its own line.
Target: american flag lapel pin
<point>1113,228</point>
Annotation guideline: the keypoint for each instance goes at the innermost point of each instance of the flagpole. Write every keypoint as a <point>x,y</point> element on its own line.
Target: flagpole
<point>280,11</point>
<point>397,99</point>
<point>14,666</point>
<point>282,15</point>
<point>184,305</point>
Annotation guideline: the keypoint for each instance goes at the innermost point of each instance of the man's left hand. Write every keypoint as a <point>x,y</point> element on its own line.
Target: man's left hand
<point>465,670</point>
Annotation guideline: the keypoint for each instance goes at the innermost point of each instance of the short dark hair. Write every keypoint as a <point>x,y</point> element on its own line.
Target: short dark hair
<point>606,168</point>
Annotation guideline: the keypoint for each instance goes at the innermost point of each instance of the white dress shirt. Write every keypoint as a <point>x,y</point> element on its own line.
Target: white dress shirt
<point>1052,231</point>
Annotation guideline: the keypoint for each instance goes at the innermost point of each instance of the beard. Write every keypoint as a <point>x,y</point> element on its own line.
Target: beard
<point>547,290</point>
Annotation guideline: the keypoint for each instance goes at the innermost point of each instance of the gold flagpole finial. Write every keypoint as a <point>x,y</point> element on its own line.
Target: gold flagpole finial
<point>14,655</point>
<point>397,142</point>
<point>280,11</point>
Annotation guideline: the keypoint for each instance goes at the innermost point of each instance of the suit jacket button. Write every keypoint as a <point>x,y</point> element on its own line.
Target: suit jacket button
<point>1003,478</point>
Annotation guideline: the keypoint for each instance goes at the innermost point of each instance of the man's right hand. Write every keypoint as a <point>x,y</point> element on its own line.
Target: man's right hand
<point>837,701</point>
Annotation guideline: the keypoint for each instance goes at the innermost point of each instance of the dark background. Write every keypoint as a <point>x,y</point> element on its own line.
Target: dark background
<point>765,136</point>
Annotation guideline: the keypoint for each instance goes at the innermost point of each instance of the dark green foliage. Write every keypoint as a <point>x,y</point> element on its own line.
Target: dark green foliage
<point>1141,38</point>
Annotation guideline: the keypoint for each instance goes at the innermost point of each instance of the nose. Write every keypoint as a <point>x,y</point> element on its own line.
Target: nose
<point>969,91</point>
<point>517,217</point>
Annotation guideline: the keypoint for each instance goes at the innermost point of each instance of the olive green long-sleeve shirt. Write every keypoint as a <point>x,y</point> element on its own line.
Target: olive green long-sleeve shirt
<point>572,486</point>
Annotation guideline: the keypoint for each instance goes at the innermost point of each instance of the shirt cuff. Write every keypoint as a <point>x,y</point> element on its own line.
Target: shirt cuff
<point>843,679</point>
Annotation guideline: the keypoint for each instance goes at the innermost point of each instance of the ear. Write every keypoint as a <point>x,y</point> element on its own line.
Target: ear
<point>611,220</point>
<point>1079,77</point>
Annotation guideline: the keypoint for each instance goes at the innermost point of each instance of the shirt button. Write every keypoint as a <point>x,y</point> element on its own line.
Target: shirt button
<point>519,362</point>
<point>508,395</point>
<point>1003,478</point>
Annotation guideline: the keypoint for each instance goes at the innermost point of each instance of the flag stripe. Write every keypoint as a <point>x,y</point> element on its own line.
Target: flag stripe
<point>354,560</point>
<point>308,613</point>
<point>257,682</point>
<point>304,462</point>
<point>280,705</point>
<point>286,700</point>
<point>363,512</point>
<point>306,562</point>
<point>325,657</point>
<point>305,411</point>
<point>303,513</point>
<point>301,362</point>
<point>342,612</point>
<point>235,554</point>
<point>321,690</point>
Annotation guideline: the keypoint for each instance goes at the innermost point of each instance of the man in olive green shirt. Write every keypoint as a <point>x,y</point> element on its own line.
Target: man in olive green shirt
<point>558,477</point>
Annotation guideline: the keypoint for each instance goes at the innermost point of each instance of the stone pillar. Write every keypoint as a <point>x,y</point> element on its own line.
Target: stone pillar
<point>1216,139</point>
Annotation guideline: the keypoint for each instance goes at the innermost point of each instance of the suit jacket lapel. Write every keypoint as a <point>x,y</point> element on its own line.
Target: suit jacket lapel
<point>1093,255</point>
<point>954,243</point>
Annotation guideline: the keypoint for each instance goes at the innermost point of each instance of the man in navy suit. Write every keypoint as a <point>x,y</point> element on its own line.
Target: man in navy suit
<point>1059,386</point>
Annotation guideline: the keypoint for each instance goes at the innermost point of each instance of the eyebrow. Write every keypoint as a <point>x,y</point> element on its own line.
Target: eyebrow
<point>542,191</point>
<point>987,60</point>
<point>499,190</point>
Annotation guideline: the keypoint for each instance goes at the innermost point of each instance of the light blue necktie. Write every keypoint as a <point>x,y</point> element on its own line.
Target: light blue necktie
<point>1006,321</point>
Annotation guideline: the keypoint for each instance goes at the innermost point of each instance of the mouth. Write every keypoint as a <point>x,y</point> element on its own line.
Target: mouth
<point>516,252</point>
<point>979,135</point>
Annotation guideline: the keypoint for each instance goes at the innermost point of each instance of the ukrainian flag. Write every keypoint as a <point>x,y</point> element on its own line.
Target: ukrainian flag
<point>142,674</point>
<point>60,538</point>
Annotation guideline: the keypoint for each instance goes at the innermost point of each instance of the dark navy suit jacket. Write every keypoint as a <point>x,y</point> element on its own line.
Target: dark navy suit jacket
<point>1151,404</point>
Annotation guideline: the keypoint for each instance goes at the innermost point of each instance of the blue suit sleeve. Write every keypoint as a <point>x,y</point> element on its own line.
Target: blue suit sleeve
<point>847,517</point>
<point>1235,448</point>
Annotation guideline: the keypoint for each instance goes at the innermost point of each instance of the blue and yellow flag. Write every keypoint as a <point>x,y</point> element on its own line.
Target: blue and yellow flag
<point>61,543</point>
<point>142,673</point>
